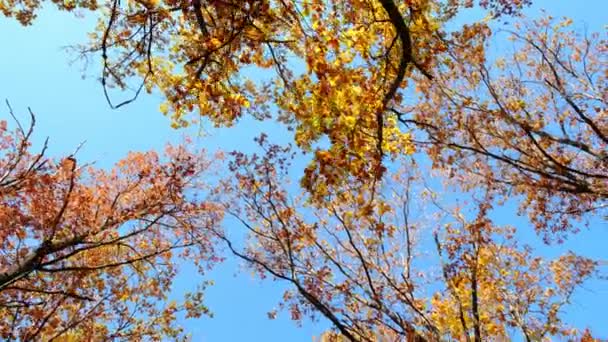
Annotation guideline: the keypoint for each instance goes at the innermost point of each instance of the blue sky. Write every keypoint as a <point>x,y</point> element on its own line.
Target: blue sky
<point>34,72</point>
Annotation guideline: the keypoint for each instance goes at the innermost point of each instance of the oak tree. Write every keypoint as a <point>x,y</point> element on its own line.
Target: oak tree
<point>533,123</point>
<point>91,254</point>
<point>390,261</point>
<point>330,68</point>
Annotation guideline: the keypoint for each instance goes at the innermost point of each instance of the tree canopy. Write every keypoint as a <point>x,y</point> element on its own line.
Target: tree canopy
<point>416,130</point>
<point>91,254</point>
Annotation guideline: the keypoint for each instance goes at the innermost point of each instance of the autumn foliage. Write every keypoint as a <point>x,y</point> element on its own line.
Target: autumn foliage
<point>532,123</point>
<point>359,259</point>
<point>331,68</point>
<point>91,254</point>
<point>417,132</point>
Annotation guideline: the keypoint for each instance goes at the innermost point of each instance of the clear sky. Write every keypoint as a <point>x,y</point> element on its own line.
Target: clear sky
<point>34,72</point>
